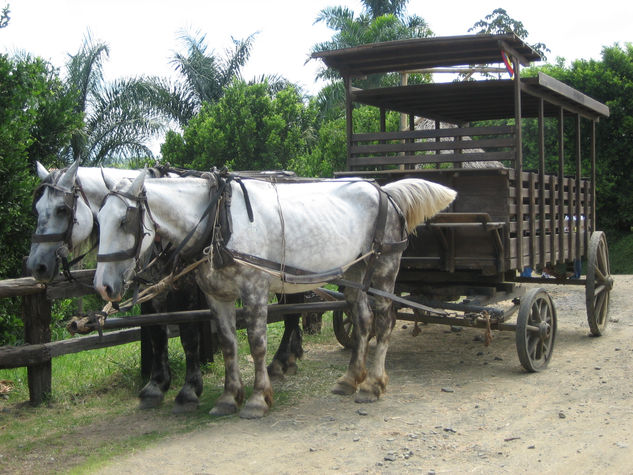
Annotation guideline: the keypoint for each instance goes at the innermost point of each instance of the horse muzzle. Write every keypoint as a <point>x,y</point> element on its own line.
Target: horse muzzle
<point>42,264</point>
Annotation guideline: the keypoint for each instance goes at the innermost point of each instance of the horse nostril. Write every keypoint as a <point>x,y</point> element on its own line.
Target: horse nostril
<point>109,291</point>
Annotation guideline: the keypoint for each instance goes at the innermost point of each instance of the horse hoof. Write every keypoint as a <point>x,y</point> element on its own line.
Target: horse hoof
<point>223,409</point>
<point>185,408</point>
<point>292,369</point>
<point>363,397</point>
<point>253,412</point>
<point>343,388</point>
<point>275,370</point>
<point>150,402</point>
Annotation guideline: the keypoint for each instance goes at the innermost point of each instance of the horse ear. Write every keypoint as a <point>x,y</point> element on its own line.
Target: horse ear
<point>137,185</point>
<point>68,179</point>
<point>107,180</point>
<point>42,172</point>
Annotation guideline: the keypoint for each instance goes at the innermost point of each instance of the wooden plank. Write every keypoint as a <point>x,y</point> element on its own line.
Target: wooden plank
<point>428,158</point>
<point>431,146</point>
<point>19,356</point>
<point>432,133</point>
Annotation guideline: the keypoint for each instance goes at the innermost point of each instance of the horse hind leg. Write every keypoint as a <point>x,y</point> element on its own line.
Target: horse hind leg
<point>376,382</point>
<point>290,348</point>
<point>187,399</point>
<point>153,392</point>
<point>384,320</point>
<point>356,370</point>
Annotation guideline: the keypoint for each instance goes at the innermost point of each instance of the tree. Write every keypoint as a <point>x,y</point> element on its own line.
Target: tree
<point>381,20</point>
<point>37,118</point>
<point>499,22</point>
<point>120,117</point>
<point>609,81</point>
<point>249,128</point>
<point>4,16</point>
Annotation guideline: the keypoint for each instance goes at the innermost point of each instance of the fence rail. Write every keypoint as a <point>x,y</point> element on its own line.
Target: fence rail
<point>39,351</point>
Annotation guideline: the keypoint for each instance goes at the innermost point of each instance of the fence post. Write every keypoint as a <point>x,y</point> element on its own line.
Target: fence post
<point>36,315</point>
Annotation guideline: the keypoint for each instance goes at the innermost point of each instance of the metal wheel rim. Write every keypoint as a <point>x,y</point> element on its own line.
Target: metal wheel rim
<point>599,283</point>
<point>536,330</point>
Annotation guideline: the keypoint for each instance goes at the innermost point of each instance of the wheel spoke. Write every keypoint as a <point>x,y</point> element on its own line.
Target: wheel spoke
<point>599,275</point>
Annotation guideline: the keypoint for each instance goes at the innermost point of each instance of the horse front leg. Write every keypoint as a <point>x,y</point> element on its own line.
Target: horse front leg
<point>187,399</point>
<point>233,394</point>
<point>256,312</point>
<point>153,392</point>
<point>362,317</point>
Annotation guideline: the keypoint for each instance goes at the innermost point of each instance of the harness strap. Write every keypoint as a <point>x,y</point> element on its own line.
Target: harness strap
<point>210,207</point>
<point>289,274</point>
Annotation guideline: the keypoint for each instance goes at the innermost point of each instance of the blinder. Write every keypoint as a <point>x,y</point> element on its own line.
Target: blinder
<point>70,203</point>
<point>132,223</point>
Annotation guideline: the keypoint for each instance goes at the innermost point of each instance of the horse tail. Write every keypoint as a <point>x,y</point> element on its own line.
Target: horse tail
<point>419,199</point>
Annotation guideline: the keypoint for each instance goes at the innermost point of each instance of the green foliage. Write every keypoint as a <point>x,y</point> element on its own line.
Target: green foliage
<point>609,81</point>
<point>36,121</point>
<point>4,16</point>
<point>499,22</point>
<point>247,129</point>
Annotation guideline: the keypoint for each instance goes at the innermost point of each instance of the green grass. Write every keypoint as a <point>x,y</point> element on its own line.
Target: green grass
<point>92,414</point>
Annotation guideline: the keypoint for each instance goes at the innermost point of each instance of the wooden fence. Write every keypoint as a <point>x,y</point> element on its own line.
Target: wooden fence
<point>38,351</point>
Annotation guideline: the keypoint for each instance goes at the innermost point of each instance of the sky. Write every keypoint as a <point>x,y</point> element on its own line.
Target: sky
<point>143,35</point>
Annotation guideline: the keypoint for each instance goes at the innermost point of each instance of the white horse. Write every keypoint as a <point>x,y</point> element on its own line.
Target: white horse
<point>316,226</point>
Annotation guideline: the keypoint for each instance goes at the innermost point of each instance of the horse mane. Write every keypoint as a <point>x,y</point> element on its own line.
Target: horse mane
<point>419,199</point>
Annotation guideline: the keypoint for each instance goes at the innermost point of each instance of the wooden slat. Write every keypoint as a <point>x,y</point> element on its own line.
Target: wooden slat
<point>420,159</point>
<point>430,146</point>
<point>433,133</point>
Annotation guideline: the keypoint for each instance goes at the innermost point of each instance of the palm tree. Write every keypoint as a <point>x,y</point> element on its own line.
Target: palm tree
<point>381,20</point>
<point>119,118</point>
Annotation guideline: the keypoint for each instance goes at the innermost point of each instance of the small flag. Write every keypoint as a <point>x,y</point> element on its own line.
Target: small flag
<point>508,63</point>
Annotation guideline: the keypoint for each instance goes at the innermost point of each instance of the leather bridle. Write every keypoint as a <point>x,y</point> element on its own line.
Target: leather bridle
<point>133,223</point>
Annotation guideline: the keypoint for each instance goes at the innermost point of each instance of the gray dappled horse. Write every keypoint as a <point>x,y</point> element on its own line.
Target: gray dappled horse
<point>279,232</point>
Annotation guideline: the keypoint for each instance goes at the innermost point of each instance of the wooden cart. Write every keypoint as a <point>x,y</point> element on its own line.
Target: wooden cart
<point>507,224</point>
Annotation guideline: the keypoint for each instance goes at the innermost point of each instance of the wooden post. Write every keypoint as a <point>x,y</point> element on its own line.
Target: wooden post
<point>541,181</point>
<point>594,224</point>
<point>36,315</point>
<point>561,184</point>
<point>578,178</point>
<point>518,163</point>
<point>349,128</point>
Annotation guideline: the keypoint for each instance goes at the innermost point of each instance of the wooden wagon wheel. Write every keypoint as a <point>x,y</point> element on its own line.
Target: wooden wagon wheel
<point>343,325</point>
<point>343,328</point>
<point>599,283</point>
<point>536,330</point>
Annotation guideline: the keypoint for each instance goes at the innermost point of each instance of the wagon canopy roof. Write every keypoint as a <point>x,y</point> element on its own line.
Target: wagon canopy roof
<point>464,101</point>
<point>421,53</point>
<point>459,102</point>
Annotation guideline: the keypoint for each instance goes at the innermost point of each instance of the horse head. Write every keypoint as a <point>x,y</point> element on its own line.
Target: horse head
<point>126,233</point>
<point>64,220</point>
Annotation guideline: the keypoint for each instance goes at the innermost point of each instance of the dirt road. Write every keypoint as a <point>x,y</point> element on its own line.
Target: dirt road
<point>452,406</point>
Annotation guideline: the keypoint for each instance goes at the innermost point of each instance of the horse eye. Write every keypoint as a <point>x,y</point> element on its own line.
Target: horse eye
<point>61,210</point>
<point>123,223</point>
